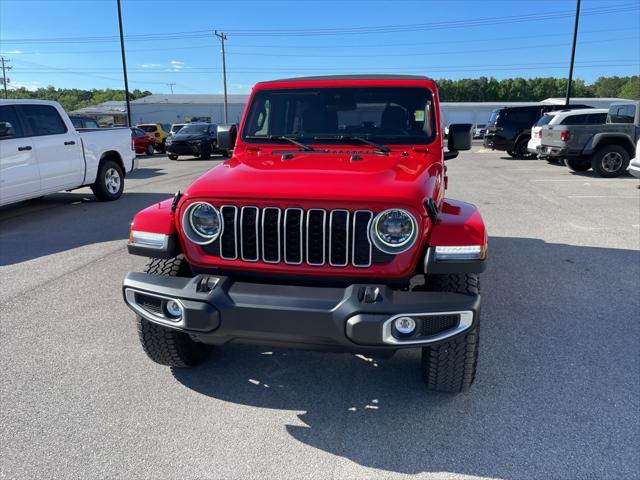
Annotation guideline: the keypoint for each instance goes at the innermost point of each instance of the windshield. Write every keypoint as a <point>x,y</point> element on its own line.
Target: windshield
<point>194,129</point>
<point>493,119</point>
<point>392,115</point>
<point>148,128</point>
<point>176,128</point>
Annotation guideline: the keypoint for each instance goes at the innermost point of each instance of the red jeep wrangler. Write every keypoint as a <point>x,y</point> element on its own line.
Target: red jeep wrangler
<point>328,228</point>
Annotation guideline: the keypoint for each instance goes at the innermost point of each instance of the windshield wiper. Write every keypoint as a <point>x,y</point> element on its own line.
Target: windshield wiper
<point>350,138</point>
<point>304,147</point>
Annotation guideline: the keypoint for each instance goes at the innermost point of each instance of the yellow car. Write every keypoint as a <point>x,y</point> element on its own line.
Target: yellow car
<point>157,131</point>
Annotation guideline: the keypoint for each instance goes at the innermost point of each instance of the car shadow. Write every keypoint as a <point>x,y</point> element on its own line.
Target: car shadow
<point>556,380</point>
<point>592,174</point>
<point>146,172</point>
<point>64,221</point>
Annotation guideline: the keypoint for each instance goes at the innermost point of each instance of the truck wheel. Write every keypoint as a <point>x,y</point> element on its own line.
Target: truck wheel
<point>451,366</point>
<point>150,149</point>
<point>578,164</point>
<point>173,157</point>
<point>511,154</point>
<point>521,152</point>
<point>109,182</point>
<point>610,161</point>
<point>164,345</point>
<point>206,153</point>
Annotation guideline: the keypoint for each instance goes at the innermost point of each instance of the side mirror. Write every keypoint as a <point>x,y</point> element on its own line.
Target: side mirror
<point>227,136</point>
<point>6,130</point>
<point>459,138</point>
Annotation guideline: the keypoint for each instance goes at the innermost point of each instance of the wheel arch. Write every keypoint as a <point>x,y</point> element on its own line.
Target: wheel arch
<point>601,139</point>
<point>114,156</point>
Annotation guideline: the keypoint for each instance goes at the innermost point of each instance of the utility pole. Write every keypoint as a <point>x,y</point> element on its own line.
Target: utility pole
<point>124,65</point>
<point>573,53</point>
<point>222,38</point>
<point>4,74</point>
<point>171,87</point>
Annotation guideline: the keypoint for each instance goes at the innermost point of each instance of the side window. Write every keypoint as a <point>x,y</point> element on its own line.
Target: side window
<point>574,120</point>
<point>91,124</point>
<point>9,124</point>
<point>43,119</point>
<point>622,113</point>
<point>76,122</point>
<point>596,118</point>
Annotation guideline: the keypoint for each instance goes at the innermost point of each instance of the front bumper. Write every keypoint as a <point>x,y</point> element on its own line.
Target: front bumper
<point>184,148</point>
<point>217,310</point>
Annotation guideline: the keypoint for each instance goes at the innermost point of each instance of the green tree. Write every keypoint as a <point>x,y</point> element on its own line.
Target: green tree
<point>631,89</point>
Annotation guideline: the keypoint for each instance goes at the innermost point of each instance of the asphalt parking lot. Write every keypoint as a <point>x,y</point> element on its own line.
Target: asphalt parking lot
<point>557,393</point>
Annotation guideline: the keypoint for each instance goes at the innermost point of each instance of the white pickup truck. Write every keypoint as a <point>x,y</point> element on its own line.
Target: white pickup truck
<point>41,153</point>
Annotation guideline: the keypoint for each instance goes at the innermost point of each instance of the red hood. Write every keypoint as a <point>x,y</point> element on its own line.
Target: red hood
<point>404,178</point>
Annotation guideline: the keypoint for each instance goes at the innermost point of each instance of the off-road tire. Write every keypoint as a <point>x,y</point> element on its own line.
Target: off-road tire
<point>578,164</point>
<point>173,157</point>
<point>598,158</point>
<point>450,367</point>
<point>164,345</point>
<point>103,188</point>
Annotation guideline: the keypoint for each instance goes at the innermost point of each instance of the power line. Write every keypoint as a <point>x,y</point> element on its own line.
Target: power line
<point>362,30</point>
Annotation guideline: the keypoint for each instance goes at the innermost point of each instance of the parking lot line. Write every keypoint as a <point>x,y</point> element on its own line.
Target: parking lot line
<point>602,196</point>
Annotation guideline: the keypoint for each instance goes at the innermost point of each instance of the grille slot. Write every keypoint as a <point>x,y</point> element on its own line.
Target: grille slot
<point>434,324</point>
<point>337,237</point>
<point>149,303</point>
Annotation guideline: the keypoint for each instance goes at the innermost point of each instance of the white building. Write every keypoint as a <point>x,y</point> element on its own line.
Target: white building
<point>179,108</point>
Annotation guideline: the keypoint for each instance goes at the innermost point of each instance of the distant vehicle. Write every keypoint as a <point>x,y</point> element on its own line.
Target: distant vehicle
<point>634,165</point>
<point>195,139</point>
<point>158,132</point>
<point>591,116</point>
<point>175,128</point>
<point>509,128</point>
<point>83,122</point>
<point>479,130</point>
<point>604,148</point>
<point>41,152</point>
<point>142,142</point>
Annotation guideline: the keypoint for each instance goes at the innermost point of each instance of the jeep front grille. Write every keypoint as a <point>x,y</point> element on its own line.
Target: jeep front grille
<point>295,236</point>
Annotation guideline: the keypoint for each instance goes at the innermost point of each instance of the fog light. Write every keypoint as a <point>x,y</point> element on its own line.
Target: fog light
<point>405,325</point>
<point>174,309</point>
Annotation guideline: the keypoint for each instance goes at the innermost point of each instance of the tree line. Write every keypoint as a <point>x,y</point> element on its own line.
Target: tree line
<point>482,89</point>
<point>488,89</point>
<point>74,98</point>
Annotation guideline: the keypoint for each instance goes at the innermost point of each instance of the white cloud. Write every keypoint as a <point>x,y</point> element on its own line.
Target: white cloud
<point>176,65</point>
<point>151,65</point>
<point>31,86</point>
<point>12,52</point>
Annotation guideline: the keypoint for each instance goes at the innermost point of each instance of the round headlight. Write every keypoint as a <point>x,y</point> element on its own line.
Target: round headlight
<point>394,231</point>
<point>202,223</point>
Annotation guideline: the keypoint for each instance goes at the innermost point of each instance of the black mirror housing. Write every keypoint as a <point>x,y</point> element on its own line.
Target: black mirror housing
<point>459,137</point>
<point>227,136</point>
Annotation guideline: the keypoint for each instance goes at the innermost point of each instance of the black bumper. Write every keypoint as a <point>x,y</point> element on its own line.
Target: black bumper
<point>360,317</point>
<point>184,148</point>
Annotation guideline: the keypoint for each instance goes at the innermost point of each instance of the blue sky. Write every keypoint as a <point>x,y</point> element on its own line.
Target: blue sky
<point>73,43</point>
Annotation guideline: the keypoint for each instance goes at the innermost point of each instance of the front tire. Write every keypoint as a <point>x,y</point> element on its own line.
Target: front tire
<point>578,164</point>
<point>109,183</point>
<point>164,345</point>
<point>610,161</point>
<point>521,152</point>
<point>450,367</point>
<point>150,149</point>
<point>173,157</point>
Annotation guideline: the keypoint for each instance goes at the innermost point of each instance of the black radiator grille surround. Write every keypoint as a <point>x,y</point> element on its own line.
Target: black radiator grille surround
<point>296,236</point>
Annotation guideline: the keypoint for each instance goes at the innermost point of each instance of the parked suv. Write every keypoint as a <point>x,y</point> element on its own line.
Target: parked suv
<point>195,139</point>
<point>157,131</point>
<point>591,116</point>
<point>327,228</point>
<point>604,148</point>
<point>509,128</point>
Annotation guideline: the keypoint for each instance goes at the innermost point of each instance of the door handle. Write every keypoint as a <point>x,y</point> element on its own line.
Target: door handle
<point>21,149</point>
<point>70,142</point>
